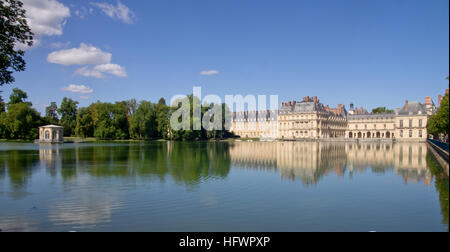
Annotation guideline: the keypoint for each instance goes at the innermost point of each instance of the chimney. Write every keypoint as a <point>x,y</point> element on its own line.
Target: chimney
<point>428,100</point>
<point>406,104</point>
<point>446,91</point>
<point>439,100</point>
<point>315,99</point>
<point>352,106</point>
<point>340,109</point>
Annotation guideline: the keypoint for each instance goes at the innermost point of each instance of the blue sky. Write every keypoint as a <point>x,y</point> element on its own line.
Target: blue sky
<point>374,53</point>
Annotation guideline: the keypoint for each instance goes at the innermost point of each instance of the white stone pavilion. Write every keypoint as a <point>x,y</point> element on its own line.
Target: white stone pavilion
<point>51,134</point>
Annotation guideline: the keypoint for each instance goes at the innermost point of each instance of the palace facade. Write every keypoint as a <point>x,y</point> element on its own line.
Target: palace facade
<point>310,119</point>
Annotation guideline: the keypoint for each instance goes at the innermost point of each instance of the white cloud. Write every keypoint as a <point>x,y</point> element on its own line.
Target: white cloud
<point>84,55</point>
<point>87,72</point>
<point>120,11</point>
<point>113,69</point>
<point>99,71</point>
<point>209,72</point>
<point>45,18</point>
<point>59,45</point>
<point>82,89</point>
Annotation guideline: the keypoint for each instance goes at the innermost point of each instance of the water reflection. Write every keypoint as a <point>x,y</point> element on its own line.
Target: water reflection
<point>310,161</point>
<point>89,183</point>
<point>191,163</point>
<point>185,163</point>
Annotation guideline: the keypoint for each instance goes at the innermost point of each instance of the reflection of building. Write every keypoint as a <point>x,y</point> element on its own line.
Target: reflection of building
<point>50,156</point>
<point>51,134</point>
<point>310,161</point>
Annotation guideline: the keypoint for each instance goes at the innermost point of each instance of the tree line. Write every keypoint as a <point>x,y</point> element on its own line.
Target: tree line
<point>124,120</point>
<point>438,123</point>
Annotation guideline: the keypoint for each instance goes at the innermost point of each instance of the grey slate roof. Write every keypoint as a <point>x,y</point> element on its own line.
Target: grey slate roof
<point>413,108</point>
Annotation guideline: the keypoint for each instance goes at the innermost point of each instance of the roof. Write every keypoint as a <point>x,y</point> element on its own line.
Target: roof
<point>413,108</point>
<point>52,126</point>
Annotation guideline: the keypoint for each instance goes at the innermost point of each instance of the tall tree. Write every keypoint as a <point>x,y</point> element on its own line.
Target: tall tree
<point>20,122</point>
<point>111,121</point>
<point>143,123</point>
<point>2,104</point>
<point>85,122</point>
<point>162,118</point>
<point>14,31</point>
<point>51,113</point>
<point>18,96</point>
<point>68,113</point>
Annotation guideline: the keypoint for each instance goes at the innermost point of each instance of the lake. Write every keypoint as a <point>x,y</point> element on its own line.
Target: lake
<point>222,186</point>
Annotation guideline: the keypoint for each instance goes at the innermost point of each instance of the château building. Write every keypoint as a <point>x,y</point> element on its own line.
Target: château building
<point>255,124</point>
<point>310,119</point>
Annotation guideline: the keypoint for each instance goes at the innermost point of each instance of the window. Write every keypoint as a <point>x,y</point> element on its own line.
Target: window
<point>401,123</point>
<point>410,124</point>
<point>375,126</point>
<point>385,126</point>
<point>420,123</point>
<point>410,134</point>
<point>401,133</point>
<point>420,134</point>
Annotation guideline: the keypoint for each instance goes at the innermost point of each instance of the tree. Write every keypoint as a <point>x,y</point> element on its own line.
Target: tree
<point>20,122</point>
<point>2,104</point>
<point>14,31</point>
<point>382,110</point>
<point>111,121</point>
<point>51,113</point>
<point>85,122</point>
<point>131,106</point>
<point>68,113</point>
<point>438,124</point>
<point>18,96</point>
<point>143,124</point>
<point>162,118</point>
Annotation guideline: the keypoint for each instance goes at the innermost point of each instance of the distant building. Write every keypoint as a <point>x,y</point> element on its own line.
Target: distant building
<point>411,122</point>
<point>51,134</point>
<point>310,119</point>
<point>255,124</point>
<point>371,126</point>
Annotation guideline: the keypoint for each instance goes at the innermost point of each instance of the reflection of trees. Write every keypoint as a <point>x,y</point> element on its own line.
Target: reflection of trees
<point>187,163</point>
<point>441,186</point>
<point>20,165</point>
<point>192,162</point>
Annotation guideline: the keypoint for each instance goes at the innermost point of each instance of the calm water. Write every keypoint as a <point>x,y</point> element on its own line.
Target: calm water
<point>221,187</point>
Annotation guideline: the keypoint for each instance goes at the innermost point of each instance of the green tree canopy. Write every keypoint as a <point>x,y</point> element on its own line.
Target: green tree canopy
<point>51,113</point>
<point>20,122</point>
<point>14,31</point>
<point>143,124</point>
<point>382,110</point>
<point>18,96</point>
<point>68,113</point>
